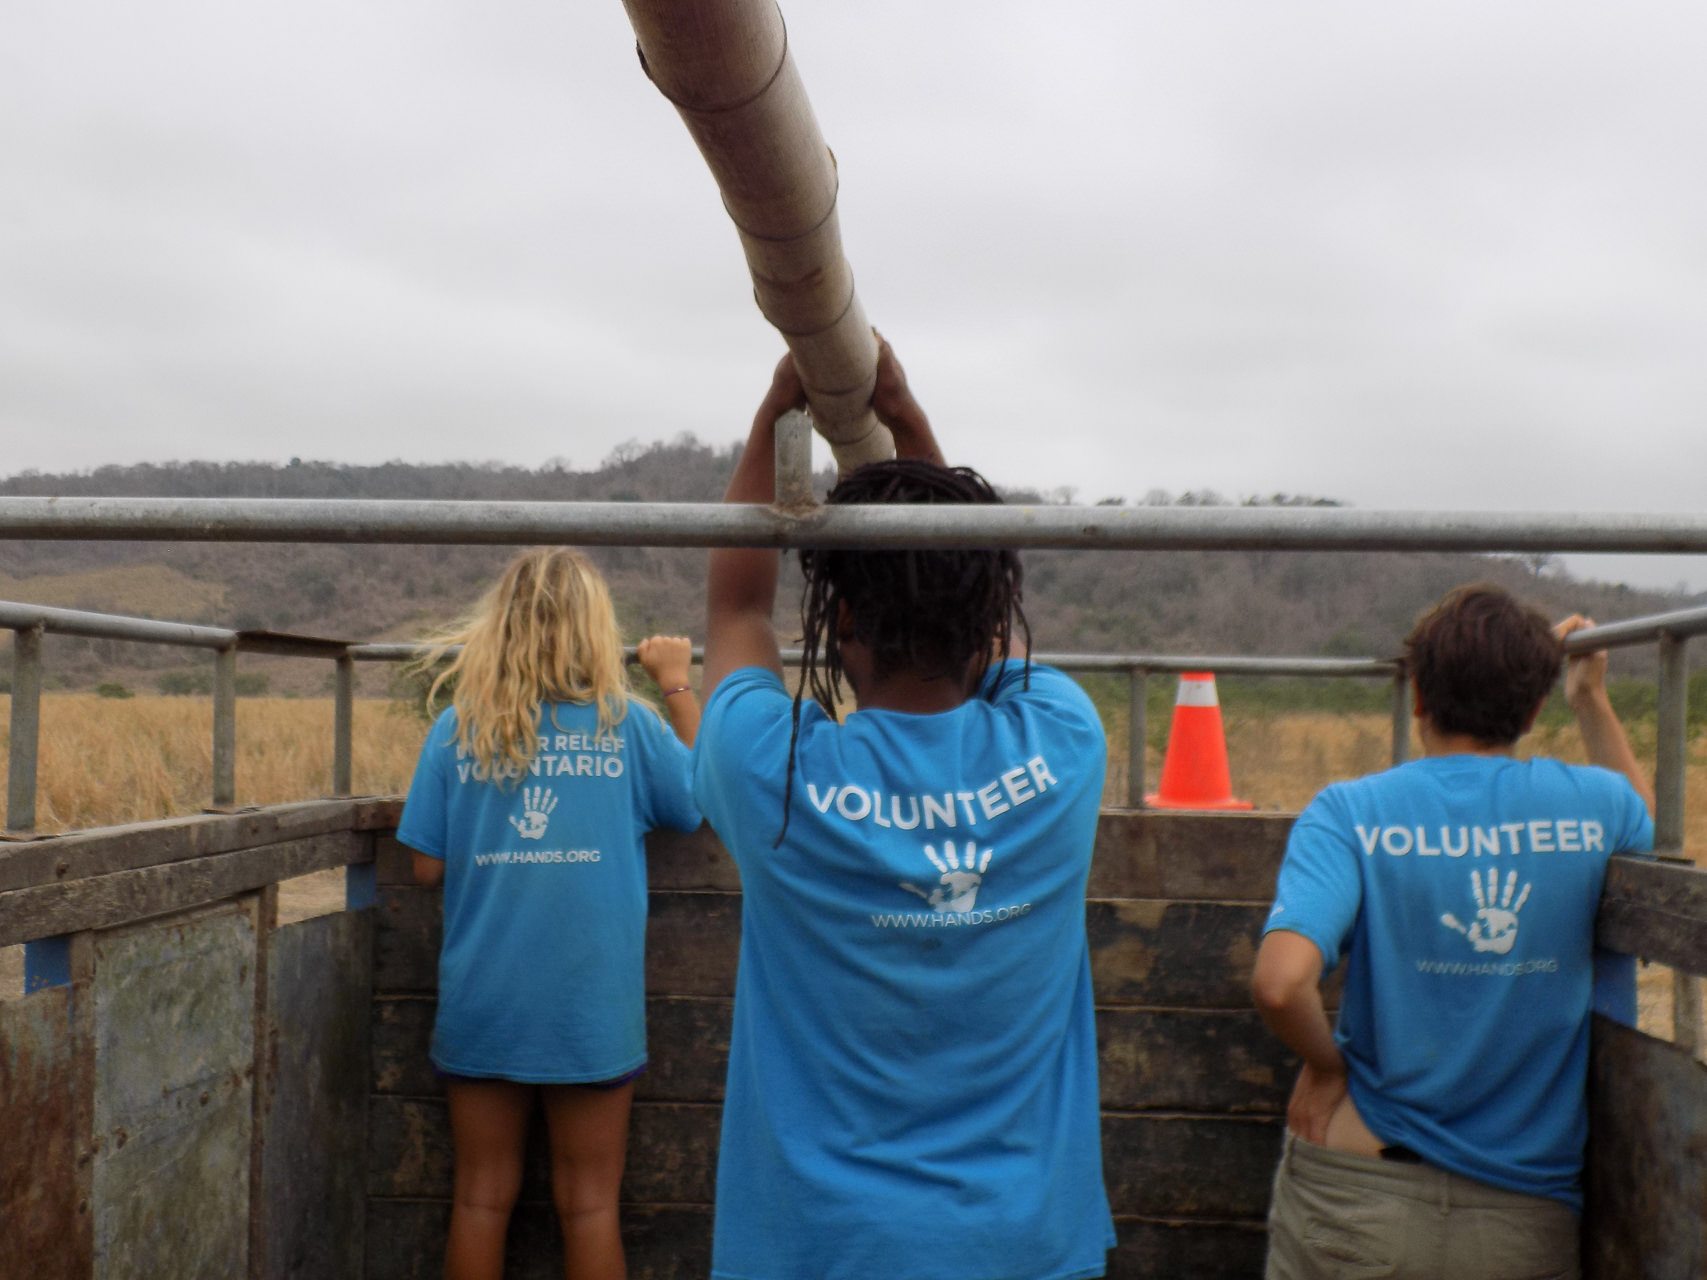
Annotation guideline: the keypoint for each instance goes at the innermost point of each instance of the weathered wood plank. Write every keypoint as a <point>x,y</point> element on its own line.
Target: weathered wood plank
<point>687,1039</point>
<point>1191,954</point>
<point>102,851</point>
<point>1211,1061</point>
<point>689,860</point>
<point>1200,1060</point>
<point>312,1117</point>
<point>1645,1171</point>
<point>1225,857</point>
<point>693,943</point>
<point>1233,857</point>
<point>406,1241</point>
<point>672,1152</point>
<point>1164,1249</point>
<point>408,924</point>
<point>105,901</point>
<point>402,1034</point>
<point>1656,910</point>
<point>1180,1166</point>
<point>38,1180</point>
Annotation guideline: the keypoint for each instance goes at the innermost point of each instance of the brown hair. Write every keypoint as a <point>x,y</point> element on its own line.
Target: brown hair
<point>1483,663</point>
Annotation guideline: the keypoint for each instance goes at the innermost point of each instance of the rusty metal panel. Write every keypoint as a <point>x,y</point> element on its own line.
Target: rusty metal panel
<point>1646,1167</point>
<point>1184,1166</point>
<point>39,1216</point>
<point>312,1193</point>
<point>174,1022</point>
<point>1163,1249</point>
<point>1192,954</point>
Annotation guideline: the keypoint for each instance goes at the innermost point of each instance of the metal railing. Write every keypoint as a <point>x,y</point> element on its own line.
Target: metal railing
<point>29,623</point>
<point>715,524</point>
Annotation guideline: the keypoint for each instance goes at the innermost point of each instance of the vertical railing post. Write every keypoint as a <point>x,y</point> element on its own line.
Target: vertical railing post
<point>25,731</point>
<point>1137,732</point>
<point>343,717</point>
<point>794,460</point>
<point>1671,755</point>
<point>1401,716</point>
<point>225,728</point>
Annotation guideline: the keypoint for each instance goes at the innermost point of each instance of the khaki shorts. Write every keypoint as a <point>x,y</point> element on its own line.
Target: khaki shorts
<point>1337,1216</point>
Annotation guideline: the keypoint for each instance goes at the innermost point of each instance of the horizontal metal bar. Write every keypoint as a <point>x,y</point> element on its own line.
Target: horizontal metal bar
<point>1221,666</point>
<point>736,525</point>
<point>1612,635</point>
<point>1085,662</point>
<point>110,626</point>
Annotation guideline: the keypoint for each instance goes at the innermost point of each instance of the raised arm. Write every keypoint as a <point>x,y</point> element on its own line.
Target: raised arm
<point>897,410</point>
<point>741,582</point>
<point>1604,739</point>
<point>740,591</point>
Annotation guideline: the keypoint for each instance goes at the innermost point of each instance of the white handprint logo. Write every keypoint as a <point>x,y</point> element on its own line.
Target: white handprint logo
<point>962,873</point>
<point>1495,926</point>
<point>537,804</point>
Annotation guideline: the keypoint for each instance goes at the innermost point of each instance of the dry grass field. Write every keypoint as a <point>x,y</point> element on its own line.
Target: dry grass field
<point>115,760</point>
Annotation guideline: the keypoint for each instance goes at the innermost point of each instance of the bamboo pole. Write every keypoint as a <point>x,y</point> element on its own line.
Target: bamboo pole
<point>725,66</point>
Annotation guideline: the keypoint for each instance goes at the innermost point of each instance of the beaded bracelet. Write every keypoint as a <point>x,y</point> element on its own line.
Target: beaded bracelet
<point>681,688</point>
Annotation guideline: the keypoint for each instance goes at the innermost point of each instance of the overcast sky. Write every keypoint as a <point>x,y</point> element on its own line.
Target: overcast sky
<point>1404,255</point>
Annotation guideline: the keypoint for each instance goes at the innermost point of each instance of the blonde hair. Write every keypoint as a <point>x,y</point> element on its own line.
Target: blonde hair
<point>546,631</point>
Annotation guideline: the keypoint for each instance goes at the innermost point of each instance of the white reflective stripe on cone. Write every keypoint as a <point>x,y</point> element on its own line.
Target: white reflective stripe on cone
<point>1196,691</point>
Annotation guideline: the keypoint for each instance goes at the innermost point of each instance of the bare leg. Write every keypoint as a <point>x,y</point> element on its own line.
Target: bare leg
<point>488,1125</point>
<point>589,1142</point>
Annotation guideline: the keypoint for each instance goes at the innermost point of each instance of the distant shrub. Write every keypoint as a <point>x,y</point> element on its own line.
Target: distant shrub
<point>184,683</point>
<point>112,689</point>
<point>251,684</point>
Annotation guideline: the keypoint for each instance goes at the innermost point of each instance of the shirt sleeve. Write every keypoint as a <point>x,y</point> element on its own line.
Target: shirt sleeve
<point>1321,889</point>
<point>1008,683</point>
<point>741,753</point>
<point>425,810</point>
<point>1636,824</point>
<point>666,796</point>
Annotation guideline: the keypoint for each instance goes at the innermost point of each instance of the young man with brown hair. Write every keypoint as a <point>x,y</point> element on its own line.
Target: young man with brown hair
<point>1438,1130</point>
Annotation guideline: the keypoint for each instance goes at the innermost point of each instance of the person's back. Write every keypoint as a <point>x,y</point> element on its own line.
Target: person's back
<point>914,1024</point>
<point>912,1072</point>
<point>1461,890</point>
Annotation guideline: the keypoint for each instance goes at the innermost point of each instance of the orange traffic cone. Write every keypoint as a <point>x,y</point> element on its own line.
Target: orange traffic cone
<point>1194,772</point>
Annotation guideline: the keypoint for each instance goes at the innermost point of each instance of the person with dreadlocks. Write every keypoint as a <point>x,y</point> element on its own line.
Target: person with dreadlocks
<point>912,1086</point>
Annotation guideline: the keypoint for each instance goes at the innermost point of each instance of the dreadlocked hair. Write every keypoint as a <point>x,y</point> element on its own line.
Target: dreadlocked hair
<point>939,613</point>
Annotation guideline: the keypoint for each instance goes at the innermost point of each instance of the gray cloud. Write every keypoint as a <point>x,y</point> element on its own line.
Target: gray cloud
<point>1412,256</point>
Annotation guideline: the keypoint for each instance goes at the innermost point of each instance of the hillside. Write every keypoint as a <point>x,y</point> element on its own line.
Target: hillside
<point>1290,603</point>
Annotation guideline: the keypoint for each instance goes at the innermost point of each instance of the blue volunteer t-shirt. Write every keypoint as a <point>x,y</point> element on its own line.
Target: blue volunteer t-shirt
<point>1464,889</point>
<point>912,1073</point>
<point>541,970</point>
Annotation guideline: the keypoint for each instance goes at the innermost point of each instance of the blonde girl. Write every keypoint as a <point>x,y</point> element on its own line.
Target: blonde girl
<point>530,803</point>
